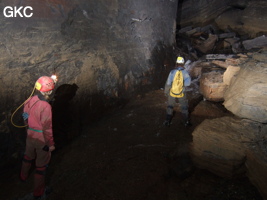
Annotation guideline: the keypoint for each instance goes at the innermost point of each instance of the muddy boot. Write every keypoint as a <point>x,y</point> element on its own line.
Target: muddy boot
<point>167,122</point>
<point>186,119</point>
<point>39,182</point>
<point>47,191</point>
<point>187,123</point>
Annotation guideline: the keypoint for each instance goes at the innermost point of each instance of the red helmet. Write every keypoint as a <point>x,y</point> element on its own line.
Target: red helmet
<point>45,84</point>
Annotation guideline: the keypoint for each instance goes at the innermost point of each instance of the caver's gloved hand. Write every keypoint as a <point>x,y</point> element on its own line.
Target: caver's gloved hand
<point>25,116</point>
<point>167,90</point>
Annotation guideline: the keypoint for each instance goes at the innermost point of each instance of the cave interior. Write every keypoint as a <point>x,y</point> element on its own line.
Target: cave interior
<point>112,59</point>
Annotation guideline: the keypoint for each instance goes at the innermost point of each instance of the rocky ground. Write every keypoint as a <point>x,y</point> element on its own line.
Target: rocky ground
<point>129,155</point>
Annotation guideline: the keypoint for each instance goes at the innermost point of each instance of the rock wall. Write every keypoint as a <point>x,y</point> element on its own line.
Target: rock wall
<point>250,20</point>
<point>192,12</point>
<point>244,17</point>
<point>101,51</point>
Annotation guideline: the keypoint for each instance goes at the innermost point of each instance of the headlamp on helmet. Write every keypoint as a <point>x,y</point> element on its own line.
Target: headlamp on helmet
<point>180,60</point>
<point>54,77</point>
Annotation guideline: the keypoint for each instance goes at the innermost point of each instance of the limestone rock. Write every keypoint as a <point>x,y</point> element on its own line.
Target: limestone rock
<point>196,72</point>
<point>207,45</point>
<point>254,17</point>
<point>208,110</point>
<point>220,63</point>
<point>229,19</point>
<point>250,20</point>
<point>212,86</point>
<point>230,146</point>
<point>201,11</point>
<point>246,97</point>
<point>229,61</point>
<point>233,61</point>
<point>261,57</point>
<point>256,165</point>
<point>218,144</point>
<point>194,69</point>
<point>258,42</point>
<point>230,73</point>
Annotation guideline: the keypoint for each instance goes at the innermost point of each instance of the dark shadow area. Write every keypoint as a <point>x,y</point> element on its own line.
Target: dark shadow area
<point>179,14</point>
<point>163,61</point>
<point>62,113</point>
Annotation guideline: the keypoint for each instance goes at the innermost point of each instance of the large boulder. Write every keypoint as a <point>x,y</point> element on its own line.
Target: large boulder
<point>230,146</point>
<point>256,165</point>
<point>216,146</point>
<point>212,86</point>
<point>251,20</point>
<point>207,45</point>
<point>230,73</point>
<point>214,81</point>
<point>208,110</point>
<point>246,96</point>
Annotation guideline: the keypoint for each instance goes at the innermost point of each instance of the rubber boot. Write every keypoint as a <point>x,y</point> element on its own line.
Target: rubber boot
<point>39,182</point>
<point>186,120</point>
<point>167,121</point>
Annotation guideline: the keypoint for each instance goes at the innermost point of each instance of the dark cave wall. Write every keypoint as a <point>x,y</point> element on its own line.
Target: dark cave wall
<point>191,12</point>
<point>245,17</point>
<point>203,12</point>
<point>101,51</point>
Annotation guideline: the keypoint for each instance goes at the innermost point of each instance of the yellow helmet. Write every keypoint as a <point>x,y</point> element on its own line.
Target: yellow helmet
<point>180,60</point>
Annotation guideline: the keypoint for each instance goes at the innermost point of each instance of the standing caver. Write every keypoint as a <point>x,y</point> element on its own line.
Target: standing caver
<point>40,142</point>
<point>174,89</point>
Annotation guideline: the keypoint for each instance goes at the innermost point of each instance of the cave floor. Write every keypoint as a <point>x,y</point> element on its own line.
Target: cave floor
<point>130,155</point>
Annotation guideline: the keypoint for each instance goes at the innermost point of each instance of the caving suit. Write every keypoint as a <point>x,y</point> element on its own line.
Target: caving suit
<point>39,134</point>
<point>172,100</point>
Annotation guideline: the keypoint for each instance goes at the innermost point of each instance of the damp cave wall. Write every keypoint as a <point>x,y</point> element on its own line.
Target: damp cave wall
<point>202,12</point>
<point>102,52</point>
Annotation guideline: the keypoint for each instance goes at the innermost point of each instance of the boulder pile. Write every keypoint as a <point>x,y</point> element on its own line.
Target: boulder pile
<point>234,145</point>
<point>231,70</point>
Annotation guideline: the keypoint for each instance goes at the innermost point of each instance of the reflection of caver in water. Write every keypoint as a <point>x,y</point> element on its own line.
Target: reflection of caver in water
<point>39,143</point>
<point>174,89</point>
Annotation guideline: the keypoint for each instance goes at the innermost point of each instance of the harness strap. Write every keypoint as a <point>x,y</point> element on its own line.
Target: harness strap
<point>39,131</point>
<point>177,93</point>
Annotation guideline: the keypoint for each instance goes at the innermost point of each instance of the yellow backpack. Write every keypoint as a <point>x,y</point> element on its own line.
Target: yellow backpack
<point>177,85</point>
